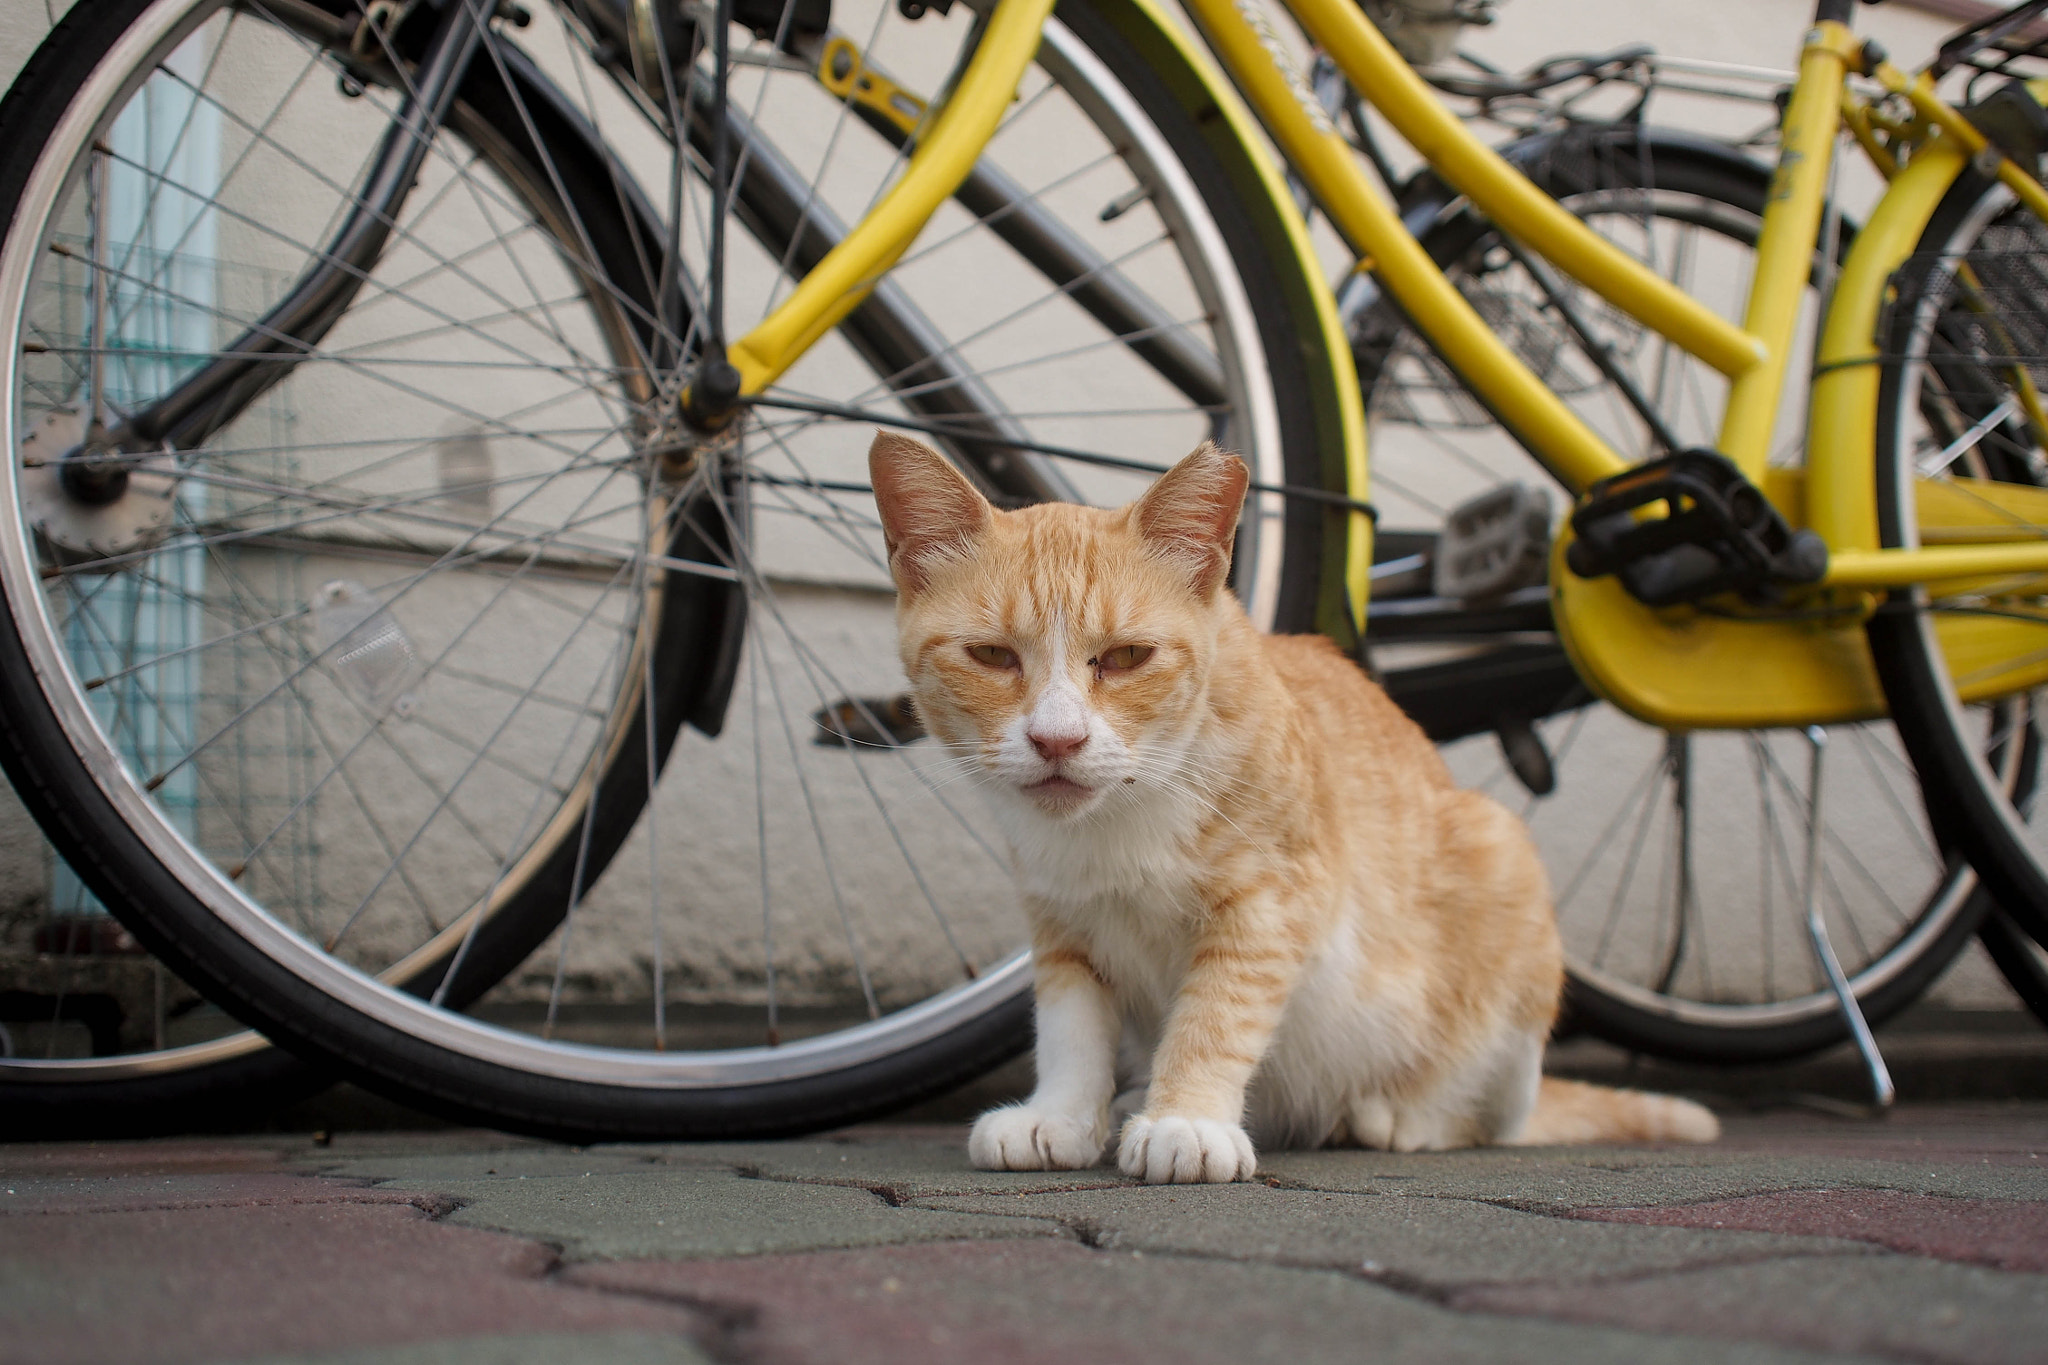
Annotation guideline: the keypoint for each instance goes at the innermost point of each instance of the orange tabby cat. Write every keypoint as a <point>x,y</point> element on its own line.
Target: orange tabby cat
<point>1237,856</point>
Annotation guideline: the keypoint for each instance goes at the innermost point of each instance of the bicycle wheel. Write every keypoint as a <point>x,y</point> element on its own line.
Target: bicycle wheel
<point>1677,860</point>
<point>437,653</point>
<point>99,1039</point>
<point>1959,450</point>
<point>195,641</point>
<point>2022,961</point>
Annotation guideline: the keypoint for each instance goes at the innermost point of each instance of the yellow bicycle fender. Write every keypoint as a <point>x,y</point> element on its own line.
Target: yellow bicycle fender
<point>1684,670</point>
<point>1841,431</point>
<point>1155,33</point>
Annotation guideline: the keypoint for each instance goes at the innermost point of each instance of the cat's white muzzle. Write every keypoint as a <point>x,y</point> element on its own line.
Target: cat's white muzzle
<point>1061,795</point>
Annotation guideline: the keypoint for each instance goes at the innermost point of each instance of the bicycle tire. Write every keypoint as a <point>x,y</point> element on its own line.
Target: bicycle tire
<point>1644,996</point>
<point>175,1087</point>
<point>1195,168</point>
<point>1945,362</point>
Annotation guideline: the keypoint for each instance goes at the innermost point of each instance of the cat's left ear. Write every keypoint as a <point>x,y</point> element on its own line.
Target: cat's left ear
<point>930,512</point>
<point>1190,515</point>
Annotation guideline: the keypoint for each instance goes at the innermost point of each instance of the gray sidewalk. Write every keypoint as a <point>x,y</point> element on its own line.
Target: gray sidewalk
<point>1800,1236</point>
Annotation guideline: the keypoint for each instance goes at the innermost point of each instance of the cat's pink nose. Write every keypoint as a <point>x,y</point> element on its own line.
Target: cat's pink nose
<point>1054,747</point>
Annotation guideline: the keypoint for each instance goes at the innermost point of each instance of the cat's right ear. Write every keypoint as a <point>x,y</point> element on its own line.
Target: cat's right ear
<point>930,512</point>
<point>1190,515</point>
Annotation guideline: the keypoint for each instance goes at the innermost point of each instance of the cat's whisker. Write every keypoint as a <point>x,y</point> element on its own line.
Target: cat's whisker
<point>950,768</point>
<point>980,776</point>
<point>1181,765</point>
<point>1190,790</point>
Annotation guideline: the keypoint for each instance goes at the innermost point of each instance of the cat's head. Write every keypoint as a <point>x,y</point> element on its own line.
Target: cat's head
<point>1066,649</point>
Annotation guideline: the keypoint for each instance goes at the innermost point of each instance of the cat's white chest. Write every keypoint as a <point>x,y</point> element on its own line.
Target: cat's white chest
<point>1139,942</point>
<point>1133,854</point>
<point>1123,888</point>
<point>1138,933</point>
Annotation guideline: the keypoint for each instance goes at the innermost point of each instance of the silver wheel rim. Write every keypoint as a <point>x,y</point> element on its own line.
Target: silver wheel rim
<point>1238,341</point>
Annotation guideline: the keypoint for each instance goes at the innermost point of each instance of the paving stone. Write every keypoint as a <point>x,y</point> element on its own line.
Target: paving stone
<point>35,1194</point>
<point>282,1249</point>
<point>1421,1242</point>
<point>534,1348</point>
<point>346,1143</point>
<point>2009,1134</point>
<point>1581,1177</point>
<point>222,1283</point>
<point>2002,1233</point>
<point>1942,1151</point>
<point>1896,1306</point>
<point>486,1160</point>
<point>156,1157</point>
<point>912,1163</point>
<point>994,1303</point>
<point>653,1211</point>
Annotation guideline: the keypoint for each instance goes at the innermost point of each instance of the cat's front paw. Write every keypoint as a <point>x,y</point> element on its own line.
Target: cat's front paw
<point>1021,1138</point>
<point>1177,1151</point>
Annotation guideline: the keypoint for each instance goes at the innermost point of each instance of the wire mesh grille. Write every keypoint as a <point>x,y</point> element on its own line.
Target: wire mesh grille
<point>1991,301</point>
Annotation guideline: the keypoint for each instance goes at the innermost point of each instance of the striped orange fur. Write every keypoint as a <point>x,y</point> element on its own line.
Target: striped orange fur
<point>1248,874</point>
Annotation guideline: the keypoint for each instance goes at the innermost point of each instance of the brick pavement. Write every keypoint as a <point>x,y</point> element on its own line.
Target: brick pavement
<point>1923,1237</point>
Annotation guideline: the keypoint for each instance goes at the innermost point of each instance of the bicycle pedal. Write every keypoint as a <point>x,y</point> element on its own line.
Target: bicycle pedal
<point>1493,544</point>
<point>1719,534</point>
<point>869,722</point>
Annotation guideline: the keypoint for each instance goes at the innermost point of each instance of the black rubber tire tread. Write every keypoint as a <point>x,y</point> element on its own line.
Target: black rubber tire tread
<point>172,921</point>
<point>1640,1030</point>
<point>2022,961</point>
<point>1562,165</point>
<point>217,1097</point>
<point>1964,813</point>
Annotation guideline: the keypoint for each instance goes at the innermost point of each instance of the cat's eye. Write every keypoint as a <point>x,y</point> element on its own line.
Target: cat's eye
<point>995,656</point>
<point>1123,658</point>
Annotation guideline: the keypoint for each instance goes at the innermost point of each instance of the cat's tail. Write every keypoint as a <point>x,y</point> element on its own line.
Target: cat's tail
<point>1572,1111</point>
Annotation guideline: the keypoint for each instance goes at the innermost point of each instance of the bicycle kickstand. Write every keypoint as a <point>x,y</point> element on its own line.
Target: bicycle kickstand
<point>1881,1090</point>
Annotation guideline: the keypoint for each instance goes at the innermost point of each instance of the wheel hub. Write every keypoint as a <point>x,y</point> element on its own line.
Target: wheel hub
<point>89,502</point>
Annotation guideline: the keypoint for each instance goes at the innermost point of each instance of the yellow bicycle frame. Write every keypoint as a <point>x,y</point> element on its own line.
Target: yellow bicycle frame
<point>941,162</point>
<point>1680,668</point>
<point>1676,668</point>
<point>943,157</point>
